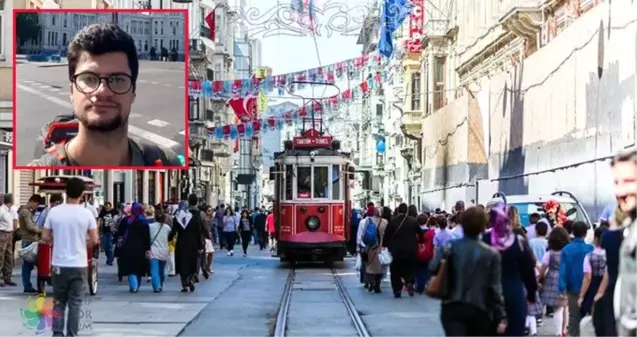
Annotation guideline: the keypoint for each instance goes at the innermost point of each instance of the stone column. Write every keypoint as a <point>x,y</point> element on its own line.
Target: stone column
<point>145,185</point>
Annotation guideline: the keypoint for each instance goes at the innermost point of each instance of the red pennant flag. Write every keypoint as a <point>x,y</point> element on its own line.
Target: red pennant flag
<point>241,128</point>
<point>210,20</point>
<point>365,87</point>
<point>217,87</point>
<point>256,125</point>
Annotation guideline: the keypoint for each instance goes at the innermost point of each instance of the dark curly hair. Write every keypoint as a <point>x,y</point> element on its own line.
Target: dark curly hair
<point>558,238</point>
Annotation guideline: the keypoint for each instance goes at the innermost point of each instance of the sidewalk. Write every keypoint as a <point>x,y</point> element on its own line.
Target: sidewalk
<point>116,312</point>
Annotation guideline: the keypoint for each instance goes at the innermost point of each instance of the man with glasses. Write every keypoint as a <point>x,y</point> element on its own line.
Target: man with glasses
<point>103,68</point>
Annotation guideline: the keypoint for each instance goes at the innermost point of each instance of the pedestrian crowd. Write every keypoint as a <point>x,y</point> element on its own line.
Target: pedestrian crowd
<point>496,275</point>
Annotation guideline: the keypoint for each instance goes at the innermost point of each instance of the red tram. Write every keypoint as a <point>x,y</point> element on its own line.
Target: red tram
<point>312,198</point>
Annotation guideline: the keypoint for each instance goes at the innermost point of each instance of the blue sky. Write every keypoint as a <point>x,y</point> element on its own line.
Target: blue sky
<point>285,53</point>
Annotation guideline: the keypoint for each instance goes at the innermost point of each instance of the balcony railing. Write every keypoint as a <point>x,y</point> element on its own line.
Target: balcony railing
<point>198,131</point>
<point>436,28</point>
<point>206,155</point>
<point>204,31</point>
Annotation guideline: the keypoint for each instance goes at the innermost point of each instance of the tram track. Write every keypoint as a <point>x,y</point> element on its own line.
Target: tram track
<point>281,327</point>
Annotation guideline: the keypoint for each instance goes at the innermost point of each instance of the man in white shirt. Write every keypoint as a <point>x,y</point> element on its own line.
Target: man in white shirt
<point>8,224</point>
<point>69,227</point>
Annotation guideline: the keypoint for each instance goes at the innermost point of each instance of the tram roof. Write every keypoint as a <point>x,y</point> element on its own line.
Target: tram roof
<point>318,152</point>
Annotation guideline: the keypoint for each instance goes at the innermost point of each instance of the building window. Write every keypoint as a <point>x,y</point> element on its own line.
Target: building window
<point>415,91</point>
<point>439,82</point>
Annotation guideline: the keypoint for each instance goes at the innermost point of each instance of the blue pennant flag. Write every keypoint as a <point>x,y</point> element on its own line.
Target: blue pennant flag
<point>394,13</point>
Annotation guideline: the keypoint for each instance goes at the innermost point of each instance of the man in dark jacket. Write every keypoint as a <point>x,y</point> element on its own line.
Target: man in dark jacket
<point>400,239</point>
<point>259,227</point>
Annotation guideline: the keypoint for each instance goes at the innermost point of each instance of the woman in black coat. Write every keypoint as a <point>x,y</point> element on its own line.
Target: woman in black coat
<point>188,226</point>
<point>135,247</point>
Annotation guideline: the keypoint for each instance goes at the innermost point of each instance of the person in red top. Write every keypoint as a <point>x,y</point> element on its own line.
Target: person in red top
<point>426,253</point>
<point>269,223</point>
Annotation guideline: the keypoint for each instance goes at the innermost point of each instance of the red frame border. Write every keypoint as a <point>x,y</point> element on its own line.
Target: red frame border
<point>184,11</point>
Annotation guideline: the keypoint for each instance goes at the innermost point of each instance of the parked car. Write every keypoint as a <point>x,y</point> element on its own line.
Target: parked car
<point>529,204</point>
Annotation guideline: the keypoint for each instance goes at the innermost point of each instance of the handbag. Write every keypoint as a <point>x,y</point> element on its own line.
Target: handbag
<point>385,256</point>
<point>29,253</point>
<point>438,286</point>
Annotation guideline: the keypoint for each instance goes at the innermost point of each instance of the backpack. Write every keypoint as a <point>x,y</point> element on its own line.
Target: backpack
<point>370,237</point>
<point>423,253</point>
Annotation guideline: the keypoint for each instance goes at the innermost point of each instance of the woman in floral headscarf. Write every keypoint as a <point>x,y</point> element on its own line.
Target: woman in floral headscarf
<point>519,284</point>
<point>135,246</point>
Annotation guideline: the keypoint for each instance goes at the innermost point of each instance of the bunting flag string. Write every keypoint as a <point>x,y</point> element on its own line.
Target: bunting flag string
<point>281,83</point>
<point>277,120</point>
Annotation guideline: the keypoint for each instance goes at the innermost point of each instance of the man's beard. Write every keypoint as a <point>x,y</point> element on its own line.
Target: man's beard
<point>103,126</point>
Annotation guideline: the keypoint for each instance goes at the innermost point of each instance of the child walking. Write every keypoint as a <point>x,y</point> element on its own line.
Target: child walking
<point>572,274</point>
<point>594,269</point>
<point>550,273</point>
<point>171,261</point>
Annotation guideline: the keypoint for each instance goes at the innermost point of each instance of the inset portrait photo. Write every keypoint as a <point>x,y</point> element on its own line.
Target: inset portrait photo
<point>100,89</point>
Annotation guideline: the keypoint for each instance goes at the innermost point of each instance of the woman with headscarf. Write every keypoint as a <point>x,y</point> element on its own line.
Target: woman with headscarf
<point>120,227</point>
<point>188,226</point>
<point>519,284</point>
<point>135,247</point>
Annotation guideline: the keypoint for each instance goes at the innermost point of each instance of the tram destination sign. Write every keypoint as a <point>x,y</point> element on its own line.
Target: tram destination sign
<point>310,142</point>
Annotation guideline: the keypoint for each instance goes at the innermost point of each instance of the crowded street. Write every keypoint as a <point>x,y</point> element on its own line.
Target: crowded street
<point>43,93</point>
<point>241,289</point>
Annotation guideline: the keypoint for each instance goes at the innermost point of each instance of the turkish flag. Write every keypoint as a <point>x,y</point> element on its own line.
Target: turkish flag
<point>210,20</point>
<point>245,108</point>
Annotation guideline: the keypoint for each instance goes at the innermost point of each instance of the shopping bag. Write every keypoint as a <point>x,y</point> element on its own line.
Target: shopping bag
<point>359,262</point>
<point>29,253</point>
<point>385,257</point>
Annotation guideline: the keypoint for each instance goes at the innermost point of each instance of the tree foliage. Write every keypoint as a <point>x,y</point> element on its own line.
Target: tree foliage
<point>27,27</point>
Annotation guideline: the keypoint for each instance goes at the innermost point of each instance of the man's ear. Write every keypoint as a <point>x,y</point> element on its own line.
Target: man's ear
<point>71,92</point>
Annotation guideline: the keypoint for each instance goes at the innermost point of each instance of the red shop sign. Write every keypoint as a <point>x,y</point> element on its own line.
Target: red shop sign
<point>416,28</point>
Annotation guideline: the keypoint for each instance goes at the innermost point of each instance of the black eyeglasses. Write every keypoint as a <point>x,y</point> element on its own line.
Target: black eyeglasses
<point>88,83</point>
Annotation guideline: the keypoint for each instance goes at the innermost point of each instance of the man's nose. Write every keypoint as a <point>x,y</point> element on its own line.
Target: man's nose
<point>103,90</point>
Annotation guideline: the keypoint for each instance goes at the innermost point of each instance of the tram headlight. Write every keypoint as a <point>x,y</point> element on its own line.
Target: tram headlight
<point>312,223</point>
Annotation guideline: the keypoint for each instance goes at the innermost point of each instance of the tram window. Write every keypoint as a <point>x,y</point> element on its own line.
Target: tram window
<point>289,181</point>
<point>336,182</point>
<point>304,182</point>
<point>321,182</point>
